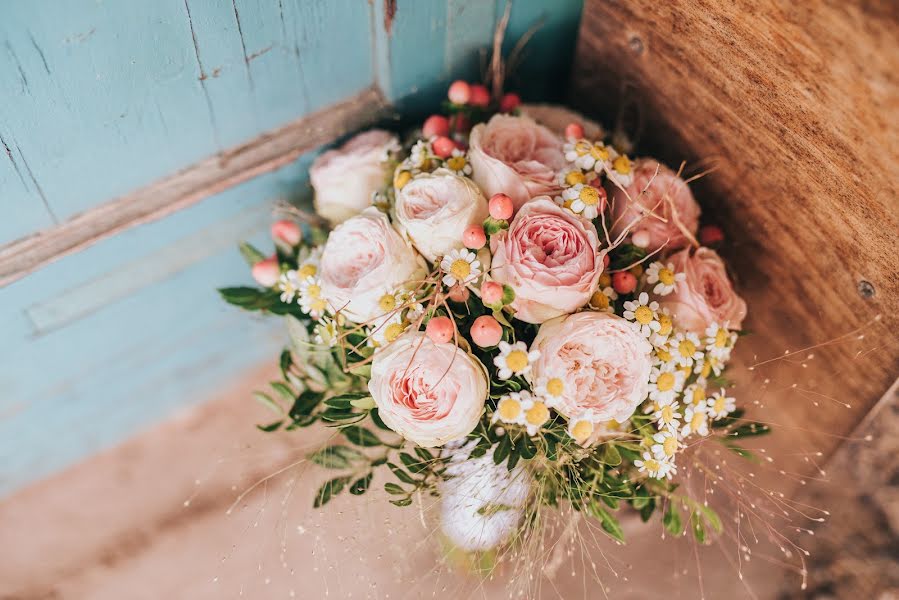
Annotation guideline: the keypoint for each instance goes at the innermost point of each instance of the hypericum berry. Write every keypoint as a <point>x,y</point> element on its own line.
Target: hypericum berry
<point>574,131</point>
<point>287,232</point>
<point>443,146</point>
<point>435,125</point>
<point>486,331</point>
<point>491,293</point>
<point>266,272</point>
<point>606,259</point>
<point>509,102</point>
<point>480,97</point>
<point>710,235</point>
<point>641,238</point>
<point>624,282</point>
<point>500,207</point>
<point>474,237</point>
<point>458,293</point>
<point>440,330</point>
<point>459,92</point>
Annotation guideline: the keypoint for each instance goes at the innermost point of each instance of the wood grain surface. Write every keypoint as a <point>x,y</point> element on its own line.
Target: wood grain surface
<point>797,104</point>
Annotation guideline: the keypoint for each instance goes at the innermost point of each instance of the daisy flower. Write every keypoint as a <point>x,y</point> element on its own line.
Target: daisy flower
<point>326,332</point>
<point>720,405</point>
<point>695,395</point>
<point>654,467</point>
<point>585,200</point>
<point>709,364</point>
<point>695,421</point>
<point>514,359</point>
<point>602,299</point>
<point>580,428</point>
<point>414,308</point>
<point>662,355</point>
<point>510,409</point>
<point>386,331</point>
<point>550,389</point>
<point>666,326</point>
<point>719,340</point>
<point>665,445</point>
<point>461,266</point>
<point>621,169</point>
<point>642,313</point>
<point>458,163</point>
<point>666,417</point>
<point>309,261</point>
<point>310,298</point>
<point>421,157</point>
<point>578,152</point>
<point>665,278</point>
<point>572,176</point>
<point>685,349</point>
<point>665,383</point>
<point>536,414</point>
<point>289,284</point>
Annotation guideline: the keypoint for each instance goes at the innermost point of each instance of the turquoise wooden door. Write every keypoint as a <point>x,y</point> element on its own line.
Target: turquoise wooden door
<point>100,99</point>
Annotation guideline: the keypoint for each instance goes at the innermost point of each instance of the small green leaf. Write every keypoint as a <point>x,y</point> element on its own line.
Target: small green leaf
<point>697,526</point>
<point>402,502</point>
<point>394,489</point>
<point>284,362</point>
<point>270,427</point>
<point>360,486</point>
<point>366,403</point>
<point>749,429</point>
<point>413,464</point>
<point>360,436</point>
<point>337,457</point>
<point>305,403</point>
<point>502,450</point>
<point>268,402</point>
<point>400,474</point>
<point>492,226</point>
<point>672,521</point>
<point>283,391</point>
<point>376,419</point>
<point>609,523</point>
<point>610,455</point>
<point>329,490</point>
<point>711,518</point>
<point>250,253</point>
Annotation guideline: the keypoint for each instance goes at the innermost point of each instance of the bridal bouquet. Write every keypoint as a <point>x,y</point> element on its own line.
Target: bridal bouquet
<point>508,312</point>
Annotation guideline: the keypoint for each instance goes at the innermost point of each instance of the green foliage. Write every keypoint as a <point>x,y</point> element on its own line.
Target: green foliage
<point>250,254</point>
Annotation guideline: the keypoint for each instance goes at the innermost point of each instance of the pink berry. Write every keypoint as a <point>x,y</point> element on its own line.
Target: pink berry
<point>509,102</point>
<point>491,293</point>
<point>606,260</point>
<point>624,282</point>
<point>443,146</point>
<point>641,238</point>
<point>287,232</point>
<point>500,207</point>
<point>266,272</point>
<point>710,235</point>
<point>435,125</point>
<point>458,293</point>
<point>574,131</point>
<point>486,331</point>
<point>474,237</point>
<point>459,92</point>
<point>440,330</point>
<point>480,97</point>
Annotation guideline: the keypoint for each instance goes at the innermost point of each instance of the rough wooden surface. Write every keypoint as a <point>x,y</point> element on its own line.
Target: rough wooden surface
<point>798,106</point>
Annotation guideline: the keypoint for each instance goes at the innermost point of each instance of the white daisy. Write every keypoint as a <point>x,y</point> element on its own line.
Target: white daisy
<point>654,467</point>
<point>720,405</point>
<point>665,445</point>
<point>458,163</point>
<point>666,416</point>
<point>510,409</point>
<point>662,354</point>
<point>310,298</point>
<point>414,308</point>
<point>685,347</point>
<point>643,315</point>
<point>619,169</point>
<point>584,200</point>
<point>514,359</point>
<point>665,383</point>
<point>308,262</point>
<point>550,389</point>
<point>578,152</point>
<point>387,330</point>
<point>421,156</point>
<point>536,414</point>
<point>573,176</point>
<point>326,332</point>
<point>666,327</point>
<point>461,266</point>
<point>665,278</point>
<point>695,395</point>
<point>719,341</point>
<point>602,299</point>
<point>696,421</point>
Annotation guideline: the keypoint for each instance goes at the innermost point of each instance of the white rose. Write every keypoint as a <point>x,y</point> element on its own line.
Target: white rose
<point>429,393</point>
<point>345,179</point>
<point>435,209</point>
<point>363,259</point>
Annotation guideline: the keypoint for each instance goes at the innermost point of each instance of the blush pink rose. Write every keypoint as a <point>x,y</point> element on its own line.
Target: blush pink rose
<point>429,393</point>
<point>550,257</point>
<point>603,363</point>
<point>661,204</point>
<point>706,295</point>
<point>515,156</point>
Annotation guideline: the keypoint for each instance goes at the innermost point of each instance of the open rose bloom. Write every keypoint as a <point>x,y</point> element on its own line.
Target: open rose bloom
<point>493,308</point>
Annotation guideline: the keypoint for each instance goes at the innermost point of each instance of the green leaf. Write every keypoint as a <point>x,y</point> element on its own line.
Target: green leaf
<point>284,362</point>
<point>749,429</point>
<point>337,457</point>
<point>268,402</point>
<point>400,474</point>
<point>360,486</point>
<point>283,391</point>
<point>672,521</point>
<point>646,511</point>
<point>508,295</point>
<point>610,455</point>
<point>250,253</point>
<point>502,450</point>
<point>270,427</point>
<point>609,523</point>
<point>402,502</point>
<point>424,454</point>
<point>729,419</point>
<point>711,518</point>
<point>413,464</point>
<point>329,490</point>
<point>360,436</point>
<point>492,226</point>
<point>697,526</point>
<point>366,403</point>
<point>250,298</point>
<point>394,489</point>
<point>376,419</point>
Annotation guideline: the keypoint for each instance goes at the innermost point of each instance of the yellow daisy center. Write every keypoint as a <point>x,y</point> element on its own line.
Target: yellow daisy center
<point>318,306</point>
<point>665,324</point>
<point>517,360</point>
<point>665,382</point>
<point>589,195</point>
<point>599,300</point>
<point>582,430</point>
<point>667,414</point>
<point>666,276</point>
<point>707,368</point>
<point>393,331</point>
<point>307,270</point>
<point>663,354</point>
<point>720,403</point>
<point>401,179</point>
<point>314,291</point>
<point>537,414</point>
<point>582,147</point>
<point>575,177</point>
<point>456,163</point>
<point>698,396</point>
<point>643,315</point>
<point>686,348</point>
<point>622,165</point>
<point>509,409</point>
<point>605,280</point>
<point>387,302</point>
<point>651,465</point>
<point>460,269</point>
<point>721,338</point>
<point>555,386</point>
<point>613,425</point>
<point>599,152</point>
<point>669,446</point>
<point>697,421</point>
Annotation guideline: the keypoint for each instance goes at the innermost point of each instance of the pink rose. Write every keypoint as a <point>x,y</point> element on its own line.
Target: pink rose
<point>429,393</point>
<point>706,296</point>
<point>345,179</point>
<point>550,257</point>
<point>660,204</point>
<point>515,156</point>
<point>602,362</point>
<point>363,259</point>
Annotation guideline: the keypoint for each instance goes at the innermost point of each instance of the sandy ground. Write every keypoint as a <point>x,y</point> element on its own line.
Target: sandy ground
<point>206,506</point>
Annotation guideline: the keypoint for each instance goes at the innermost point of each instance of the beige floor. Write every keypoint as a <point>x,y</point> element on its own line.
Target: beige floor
<point>159,517</point>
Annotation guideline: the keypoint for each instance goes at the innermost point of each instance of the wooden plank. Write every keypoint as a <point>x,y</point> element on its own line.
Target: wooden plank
<point>799,108</point>
<point>219,172</point>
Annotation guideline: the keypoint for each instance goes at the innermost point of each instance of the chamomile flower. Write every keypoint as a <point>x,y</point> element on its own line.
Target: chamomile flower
<point>579,153</point>
<point>550,389</point>
<point>308,262</point>
<point>602,299</point>
<point>458,163</point>
<point>666,327</point>
<point>621,169</point>
<point>387,330</point>
<point>665,278</point>
<point>665,445</point>
<point>708,365</point>
<point>666,416</point>
<point>421,157</point>
<point>310,298</point>
<point>643,315</point>
<point>665,383</point>
<point>720,405</point>
<point>536,414</point>
<point>696,421</point>
<point>695,395</point>
<point>461,266</point>
<point>510,409</point>
<point>414,307</point>
<point>326,332</point>
<point>719,341</point>
<point>572,176</point>
<point>662,353</point>
<point>514,359</point>
<point>289,284</point>
<point>581,427</point>
<point>585,200</point>
<point>654,467</point>
<point>685,347</point>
